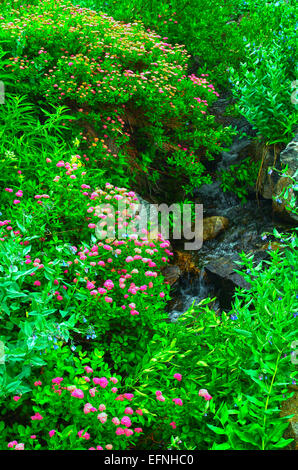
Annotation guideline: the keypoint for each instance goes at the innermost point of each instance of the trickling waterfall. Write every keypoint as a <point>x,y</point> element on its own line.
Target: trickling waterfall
<point>189,290</point>
<point>247,224</point>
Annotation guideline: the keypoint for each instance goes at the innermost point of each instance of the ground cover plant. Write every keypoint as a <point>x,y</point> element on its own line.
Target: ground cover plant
<point>207,382</point>
<point>101,105</point>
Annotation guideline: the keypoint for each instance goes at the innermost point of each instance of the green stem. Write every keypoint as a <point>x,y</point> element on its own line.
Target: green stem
<point>267,401</point>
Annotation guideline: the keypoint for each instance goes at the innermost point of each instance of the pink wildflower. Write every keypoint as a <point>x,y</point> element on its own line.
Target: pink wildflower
<point>178,377</point>
<point>77,393</point>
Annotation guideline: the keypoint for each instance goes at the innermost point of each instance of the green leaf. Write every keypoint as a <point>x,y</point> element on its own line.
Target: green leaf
<point>216,429</point>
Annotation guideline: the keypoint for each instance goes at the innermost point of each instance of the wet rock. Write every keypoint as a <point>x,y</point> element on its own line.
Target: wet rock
<point>171,273</point>
<point>224,271</point>
<point>213,226</point>
<point>221,272</point>
<point>239,150</point>
<point>186,263</point>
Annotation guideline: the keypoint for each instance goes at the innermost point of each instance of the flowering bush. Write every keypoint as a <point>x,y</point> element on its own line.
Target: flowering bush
<point>60,282</point>
<point>123,86</point>
<point>76,412</point>
<point>75,406</point>
<point>111,290</point>
<point>191,390</point>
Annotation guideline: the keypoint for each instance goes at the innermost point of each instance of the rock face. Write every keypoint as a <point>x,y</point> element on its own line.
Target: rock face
<point>212,226</point>
<point>289,158</point>
<point>186,263</point>
<point>267,181</point>
<point>274,184</point>
<point>290,407</point>
<point>171,273</point>
<point>221,272</point>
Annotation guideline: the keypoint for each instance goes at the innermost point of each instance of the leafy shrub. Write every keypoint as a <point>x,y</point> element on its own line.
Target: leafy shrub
<point>205,382</point>
<point>242,357</point>
<point>263,83</point>
<point>81,283</point>
<point>240,177</point>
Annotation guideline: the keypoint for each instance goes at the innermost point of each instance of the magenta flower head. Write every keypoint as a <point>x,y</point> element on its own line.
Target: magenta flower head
<point>205,394</point>
<point>88,370</point>
<point>102,381</point>
<point>178,377</point>
<point>57,380</point>
<point>52,432</point>
<point>178,401</point>
<point>37,417</point>
<point>77,393</point>
<point>12,444</point>
<point>119,431</point>
<point>138,430</point>
<point>125,421</point>
<point>128,396</point>
<point>83,434</point>
<point>102,417</point>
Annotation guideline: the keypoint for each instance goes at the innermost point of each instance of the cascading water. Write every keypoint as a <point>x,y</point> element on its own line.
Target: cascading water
<point>189,291</point>
<point>247,224</point>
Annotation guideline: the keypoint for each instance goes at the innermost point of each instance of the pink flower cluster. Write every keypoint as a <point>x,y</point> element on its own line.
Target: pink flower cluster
<point>205,394</point>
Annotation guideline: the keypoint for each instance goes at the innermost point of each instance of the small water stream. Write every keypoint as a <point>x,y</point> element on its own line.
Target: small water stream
<point>247,224</point>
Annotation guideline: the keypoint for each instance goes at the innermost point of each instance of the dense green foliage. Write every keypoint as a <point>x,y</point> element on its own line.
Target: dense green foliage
<point>100,105</point>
